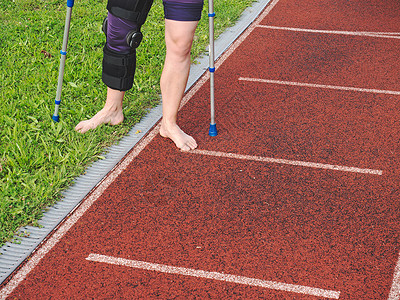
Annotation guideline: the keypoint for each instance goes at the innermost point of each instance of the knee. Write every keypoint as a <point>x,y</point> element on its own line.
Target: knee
<point>180,48</point>
<point>179,44</point>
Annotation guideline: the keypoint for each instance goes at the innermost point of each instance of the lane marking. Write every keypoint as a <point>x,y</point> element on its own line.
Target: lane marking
<point>387,35</point>
<point>215,276</point>
<point>394,293</point>
<point>287,162</point>
<point>37,256</point>
<point>322,86</point>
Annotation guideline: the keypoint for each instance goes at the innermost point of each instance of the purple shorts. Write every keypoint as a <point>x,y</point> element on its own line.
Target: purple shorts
<point>183,11</point>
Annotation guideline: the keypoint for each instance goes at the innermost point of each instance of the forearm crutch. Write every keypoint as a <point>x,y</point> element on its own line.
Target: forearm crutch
<point>211,15</point>
<point>70,4</point>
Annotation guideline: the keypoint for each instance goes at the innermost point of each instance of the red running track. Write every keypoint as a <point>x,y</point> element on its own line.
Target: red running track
<point>296,198</point>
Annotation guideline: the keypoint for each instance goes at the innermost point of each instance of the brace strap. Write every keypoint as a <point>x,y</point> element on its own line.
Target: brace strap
<point>118,69</point>
<point>133,10</point>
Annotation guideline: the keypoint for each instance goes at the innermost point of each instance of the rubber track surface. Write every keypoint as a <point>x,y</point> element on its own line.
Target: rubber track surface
<point>322,228</point>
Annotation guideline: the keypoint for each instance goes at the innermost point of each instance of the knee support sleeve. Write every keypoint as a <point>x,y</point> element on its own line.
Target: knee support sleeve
<point>118,69</point>
<point>130,12</point>
<point>119,33</point>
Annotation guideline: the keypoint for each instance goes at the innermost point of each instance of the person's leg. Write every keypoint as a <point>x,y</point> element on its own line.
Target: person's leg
<point>117,48</point>
<point>110,114</point>
<point>178,38</point>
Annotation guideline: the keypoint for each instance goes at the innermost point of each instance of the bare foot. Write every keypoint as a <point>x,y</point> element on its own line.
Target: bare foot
<point>104,116</point>
<point>182,140</point>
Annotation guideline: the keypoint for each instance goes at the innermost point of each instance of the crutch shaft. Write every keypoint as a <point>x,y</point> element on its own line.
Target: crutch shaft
<point>63,52</point>
<point>211,15</point>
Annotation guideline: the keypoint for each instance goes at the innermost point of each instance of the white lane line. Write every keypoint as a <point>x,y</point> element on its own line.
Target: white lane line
<point>388,35</point>
<point>322,86</point>
<point>287,162</point>
<point>215,276</point>
<point>394,293</point>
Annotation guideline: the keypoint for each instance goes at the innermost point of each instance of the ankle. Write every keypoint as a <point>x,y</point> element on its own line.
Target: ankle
<point>168,122</point>
<point>112,107</point>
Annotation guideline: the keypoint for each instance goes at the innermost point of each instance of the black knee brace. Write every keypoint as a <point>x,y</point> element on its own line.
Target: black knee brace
<point>119,68</point>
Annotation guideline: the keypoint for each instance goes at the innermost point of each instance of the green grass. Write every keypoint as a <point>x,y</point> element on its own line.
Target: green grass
<point>40,158</point>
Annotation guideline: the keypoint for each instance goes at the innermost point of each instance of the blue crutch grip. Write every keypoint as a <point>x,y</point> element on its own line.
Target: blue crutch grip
<point>213,130</point>
<point>70,3</point>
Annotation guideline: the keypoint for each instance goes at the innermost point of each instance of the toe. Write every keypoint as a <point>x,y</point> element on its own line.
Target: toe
<point>185,148</point>
<point>82,127</point>
<point>78,127</point>
<point>192,143</point>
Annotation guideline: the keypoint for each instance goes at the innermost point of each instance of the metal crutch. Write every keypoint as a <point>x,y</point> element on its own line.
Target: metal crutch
<point>70,4</point>
<point>211,14</point>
